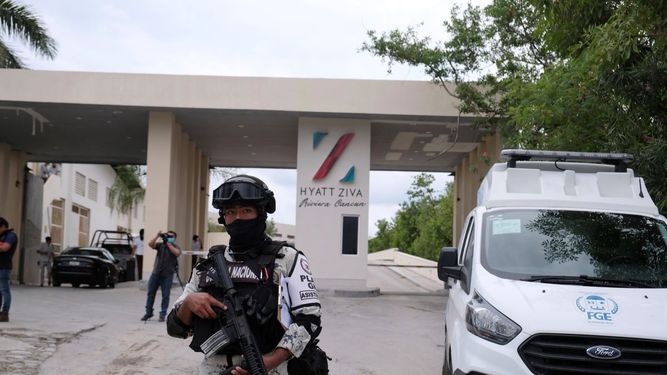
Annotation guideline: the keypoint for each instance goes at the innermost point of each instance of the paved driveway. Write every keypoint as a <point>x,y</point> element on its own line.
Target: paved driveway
<point>97,331</point>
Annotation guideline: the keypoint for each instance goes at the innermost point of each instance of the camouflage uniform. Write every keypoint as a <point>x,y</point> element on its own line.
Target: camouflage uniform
<point>297,335</point>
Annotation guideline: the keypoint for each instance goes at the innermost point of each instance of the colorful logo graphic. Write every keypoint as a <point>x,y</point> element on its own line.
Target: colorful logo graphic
<point>333,156</point>
<point>598,309</point>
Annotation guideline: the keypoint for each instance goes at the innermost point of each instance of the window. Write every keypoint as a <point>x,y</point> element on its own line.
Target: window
<point>83,216</point>
<point>290,237</point>
<point>350,234</point>
<point>107,197</point>
<point>92,190</point>
<point>56,220</point>
<point>80,184</point>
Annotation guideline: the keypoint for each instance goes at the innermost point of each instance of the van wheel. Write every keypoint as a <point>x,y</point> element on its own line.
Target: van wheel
<point>447,363</point>
<point>447,360</point>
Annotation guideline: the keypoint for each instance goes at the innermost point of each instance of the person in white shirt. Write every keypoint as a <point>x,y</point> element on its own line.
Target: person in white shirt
<point>138,252</point>
<point>44,261</point>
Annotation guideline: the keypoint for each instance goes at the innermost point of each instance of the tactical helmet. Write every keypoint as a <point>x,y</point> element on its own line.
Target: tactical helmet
<point>244,189</point>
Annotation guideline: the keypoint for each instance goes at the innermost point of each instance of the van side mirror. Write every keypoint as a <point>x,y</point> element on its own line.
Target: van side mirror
<point>448,264</point>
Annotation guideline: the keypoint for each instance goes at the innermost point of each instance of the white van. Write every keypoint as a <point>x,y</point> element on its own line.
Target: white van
<point>561,269</point>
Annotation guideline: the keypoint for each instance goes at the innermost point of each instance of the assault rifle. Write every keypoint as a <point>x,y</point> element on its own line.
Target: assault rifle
<point>236,328</point>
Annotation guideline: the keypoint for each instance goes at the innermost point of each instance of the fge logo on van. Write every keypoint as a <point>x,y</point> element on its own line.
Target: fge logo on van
<point>597,308</point>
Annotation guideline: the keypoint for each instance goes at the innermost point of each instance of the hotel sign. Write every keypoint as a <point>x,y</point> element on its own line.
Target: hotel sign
<point>332,196</point>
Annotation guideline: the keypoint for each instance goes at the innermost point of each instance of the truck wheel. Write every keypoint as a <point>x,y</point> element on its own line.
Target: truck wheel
<point>447,364</point>
<point>447,360</point>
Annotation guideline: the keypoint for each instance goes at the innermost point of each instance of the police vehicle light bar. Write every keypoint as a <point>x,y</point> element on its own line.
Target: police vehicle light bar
<point>620,160</point>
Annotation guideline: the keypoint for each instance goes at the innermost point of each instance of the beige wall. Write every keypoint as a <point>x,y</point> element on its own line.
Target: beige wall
<point>12,176</point>
<point>176,187</point>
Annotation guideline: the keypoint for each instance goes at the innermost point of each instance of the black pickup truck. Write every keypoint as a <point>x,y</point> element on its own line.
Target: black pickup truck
<point>119,244</point>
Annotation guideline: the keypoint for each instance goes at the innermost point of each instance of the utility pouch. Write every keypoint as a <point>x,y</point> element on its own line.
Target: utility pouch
<point>313,361</point>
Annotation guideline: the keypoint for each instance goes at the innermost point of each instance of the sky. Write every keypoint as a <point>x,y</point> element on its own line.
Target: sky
<point>306,38</point>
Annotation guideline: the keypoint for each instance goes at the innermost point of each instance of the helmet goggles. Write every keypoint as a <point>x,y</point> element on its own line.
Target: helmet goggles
<point>238,190</point>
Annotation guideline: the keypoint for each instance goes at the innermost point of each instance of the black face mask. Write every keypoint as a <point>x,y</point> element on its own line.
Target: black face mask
<point>244,234</point>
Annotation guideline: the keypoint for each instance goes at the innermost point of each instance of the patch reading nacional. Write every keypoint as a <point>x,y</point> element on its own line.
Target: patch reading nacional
<point>241,273</point>
<point>301,285</point>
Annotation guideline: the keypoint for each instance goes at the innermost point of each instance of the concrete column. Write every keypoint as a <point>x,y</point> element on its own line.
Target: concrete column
<point>333,163</point>
<point>468,177</point>
<point>12,181</point>
<point>174,186</point>
<point>202,198</point>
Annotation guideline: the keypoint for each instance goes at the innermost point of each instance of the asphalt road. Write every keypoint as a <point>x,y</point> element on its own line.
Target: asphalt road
<point>97,331</point>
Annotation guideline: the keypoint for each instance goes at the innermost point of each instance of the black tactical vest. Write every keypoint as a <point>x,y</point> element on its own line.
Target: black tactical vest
<point>253,281</point>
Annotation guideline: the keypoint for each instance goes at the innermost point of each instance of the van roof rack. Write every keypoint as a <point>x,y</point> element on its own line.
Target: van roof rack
<point>619,160</point>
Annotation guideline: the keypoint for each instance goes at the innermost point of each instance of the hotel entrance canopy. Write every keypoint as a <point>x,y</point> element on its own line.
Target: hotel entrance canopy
<point>76,117</point>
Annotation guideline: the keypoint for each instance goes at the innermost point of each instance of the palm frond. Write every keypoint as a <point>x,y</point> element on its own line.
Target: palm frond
<point>19,22</point>
<point>127,190</point>
<point>9,58</point>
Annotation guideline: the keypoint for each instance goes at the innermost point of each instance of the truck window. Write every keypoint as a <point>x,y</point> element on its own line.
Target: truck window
<point>521,244</point>
<point>466,238</point>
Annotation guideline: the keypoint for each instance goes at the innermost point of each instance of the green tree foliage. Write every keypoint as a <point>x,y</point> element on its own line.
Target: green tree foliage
<point>584,75</point>
<point>127,190</point>
<point>271,229</point>
<point>18,22</point>
<point>422,225</point>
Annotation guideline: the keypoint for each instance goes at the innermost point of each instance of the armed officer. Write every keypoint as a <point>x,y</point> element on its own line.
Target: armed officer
<point>265,273</point>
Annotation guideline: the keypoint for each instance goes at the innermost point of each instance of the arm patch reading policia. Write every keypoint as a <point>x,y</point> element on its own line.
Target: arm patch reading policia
<point>301,285</point>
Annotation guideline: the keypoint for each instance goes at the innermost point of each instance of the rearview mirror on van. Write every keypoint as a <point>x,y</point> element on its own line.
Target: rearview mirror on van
<point>448,264</point>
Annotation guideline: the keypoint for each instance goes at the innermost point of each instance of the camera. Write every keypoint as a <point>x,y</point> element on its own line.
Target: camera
<point>165,237</point>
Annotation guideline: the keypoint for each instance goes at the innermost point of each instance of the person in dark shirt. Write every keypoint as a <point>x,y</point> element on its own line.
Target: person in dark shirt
<point>8,242</point>
<point>163,272</point>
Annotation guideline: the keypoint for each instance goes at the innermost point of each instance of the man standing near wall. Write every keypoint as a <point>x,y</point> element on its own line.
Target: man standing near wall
<point>8,242</point>
<point>45,257</point>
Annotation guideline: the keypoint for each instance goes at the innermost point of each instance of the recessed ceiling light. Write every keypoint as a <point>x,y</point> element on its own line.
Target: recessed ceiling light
<point>79,118</point>
<point>108,121</point>
<point>249,145</point>
<point>129,137</point>
<point>117,112</point>
<point>241,126</point>
<point>253,153</point>
<point>245,136</point>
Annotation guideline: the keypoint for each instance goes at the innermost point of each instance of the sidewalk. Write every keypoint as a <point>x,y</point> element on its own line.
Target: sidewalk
<point>395,272</point>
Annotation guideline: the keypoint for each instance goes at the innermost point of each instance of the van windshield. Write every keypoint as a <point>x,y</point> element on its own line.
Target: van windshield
<point>564,245</point>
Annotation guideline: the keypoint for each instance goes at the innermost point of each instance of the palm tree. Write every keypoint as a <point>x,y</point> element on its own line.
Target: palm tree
<point>16,21</point>
<point>126,191</point>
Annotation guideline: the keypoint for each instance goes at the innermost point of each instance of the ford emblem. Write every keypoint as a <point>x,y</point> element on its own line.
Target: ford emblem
<point>603,352</point>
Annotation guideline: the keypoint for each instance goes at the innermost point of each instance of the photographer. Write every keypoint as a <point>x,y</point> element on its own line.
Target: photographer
<point>163,272</point>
